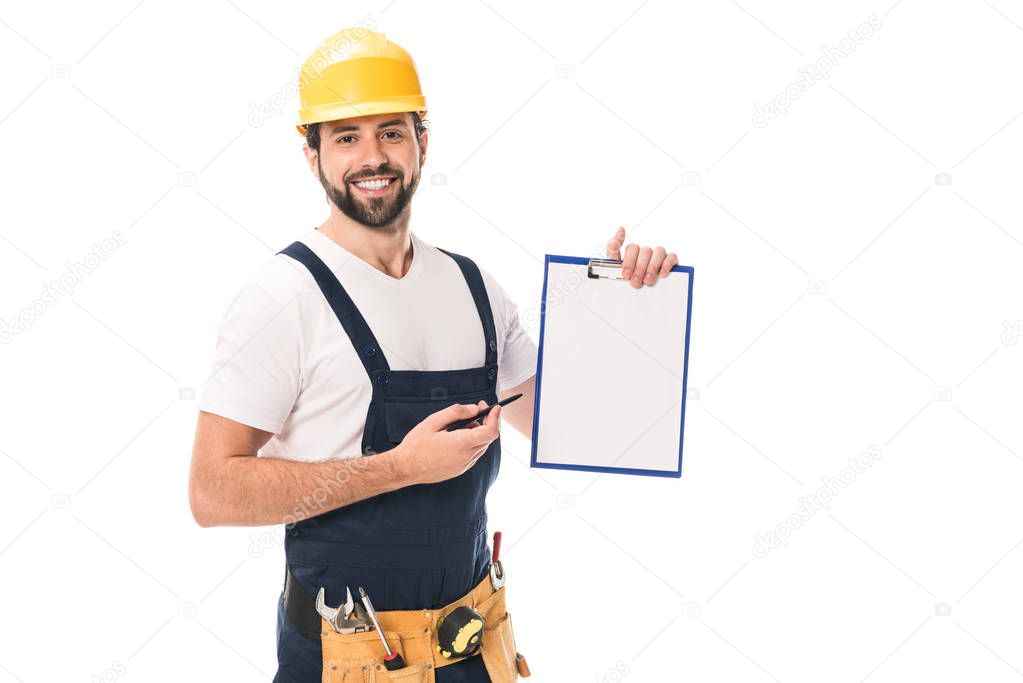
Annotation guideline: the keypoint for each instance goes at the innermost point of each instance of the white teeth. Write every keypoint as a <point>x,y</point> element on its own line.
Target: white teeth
<point>375,184</point>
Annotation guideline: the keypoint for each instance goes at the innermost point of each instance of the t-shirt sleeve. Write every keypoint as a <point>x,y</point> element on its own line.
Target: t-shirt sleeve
<point>256,373</point>
<point>517,356</point>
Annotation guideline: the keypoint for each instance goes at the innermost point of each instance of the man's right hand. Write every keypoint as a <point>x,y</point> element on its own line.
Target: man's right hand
<point>429,453</point>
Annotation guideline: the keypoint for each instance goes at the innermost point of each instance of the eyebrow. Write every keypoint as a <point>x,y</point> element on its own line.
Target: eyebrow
<point>341,129</point>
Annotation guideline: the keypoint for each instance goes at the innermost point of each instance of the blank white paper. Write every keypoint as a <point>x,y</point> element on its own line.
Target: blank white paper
<point>611,373</point>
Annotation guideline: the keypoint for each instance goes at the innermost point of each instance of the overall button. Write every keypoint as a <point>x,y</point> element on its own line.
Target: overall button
<point>382,380</point>
<point>491,373</point>
<point>369,351</point>
<point>493,345</point>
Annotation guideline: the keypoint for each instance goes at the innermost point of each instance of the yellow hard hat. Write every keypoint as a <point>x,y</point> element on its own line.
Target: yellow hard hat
<point>357,72</point>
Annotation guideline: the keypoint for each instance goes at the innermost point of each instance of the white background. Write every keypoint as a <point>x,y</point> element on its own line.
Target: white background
<point>846,298</point>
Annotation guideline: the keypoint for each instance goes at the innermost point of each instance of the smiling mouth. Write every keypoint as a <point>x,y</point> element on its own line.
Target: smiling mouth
<point>375,186</point>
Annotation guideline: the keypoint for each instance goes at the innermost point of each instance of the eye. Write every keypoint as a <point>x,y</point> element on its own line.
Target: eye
<point>343,138</point>
<point>396,135</point>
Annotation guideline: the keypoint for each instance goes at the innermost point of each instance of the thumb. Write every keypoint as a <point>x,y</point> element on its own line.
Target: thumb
<point>614,245</point>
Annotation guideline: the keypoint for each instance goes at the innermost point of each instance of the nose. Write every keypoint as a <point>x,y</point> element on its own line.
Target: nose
<point>373,153</point>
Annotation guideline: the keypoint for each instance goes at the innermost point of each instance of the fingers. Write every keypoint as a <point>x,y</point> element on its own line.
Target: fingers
<point>476,423</point>
<point>670,261</point>
<point>493,418</point>
<point>488,431</point>
<point>477,440</point>
<point>642,261</point>
<point>644,265</point>
<point>614,245</point>
<point>629,262</point>
<point>654,266</point>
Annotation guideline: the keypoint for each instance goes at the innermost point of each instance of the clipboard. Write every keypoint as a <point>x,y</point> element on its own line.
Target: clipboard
<point>612,364</point>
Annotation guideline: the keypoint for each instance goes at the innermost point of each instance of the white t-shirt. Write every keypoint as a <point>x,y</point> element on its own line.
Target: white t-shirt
<point>285,365</point>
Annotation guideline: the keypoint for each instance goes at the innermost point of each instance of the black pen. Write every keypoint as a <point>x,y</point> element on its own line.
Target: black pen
<point>483,413</point>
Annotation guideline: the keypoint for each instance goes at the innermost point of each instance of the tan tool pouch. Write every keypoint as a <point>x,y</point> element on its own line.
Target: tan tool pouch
<point>359,657</point>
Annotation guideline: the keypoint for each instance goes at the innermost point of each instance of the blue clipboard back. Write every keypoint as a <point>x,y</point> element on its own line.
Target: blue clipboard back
<point>602,344</point>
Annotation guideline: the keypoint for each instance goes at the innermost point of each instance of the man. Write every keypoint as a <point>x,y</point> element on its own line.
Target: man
<point>342,362</point>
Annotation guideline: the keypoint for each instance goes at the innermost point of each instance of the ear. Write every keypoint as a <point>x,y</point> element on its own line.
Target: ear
<point>424,140</point>
<point>311,157</point>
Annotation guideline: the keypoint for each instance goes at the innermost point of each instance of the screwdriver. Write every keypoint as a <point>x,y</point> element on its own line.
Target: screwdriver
<point>393,660</point>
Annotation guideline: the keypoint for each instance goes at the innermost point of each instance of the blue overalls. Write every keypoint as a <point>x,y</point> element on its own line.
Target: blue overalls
<point>418,547</point>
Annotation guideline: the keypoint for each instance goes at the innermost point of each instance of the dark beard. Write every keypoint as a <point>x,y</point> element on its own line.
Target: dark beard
<point>373,212</point>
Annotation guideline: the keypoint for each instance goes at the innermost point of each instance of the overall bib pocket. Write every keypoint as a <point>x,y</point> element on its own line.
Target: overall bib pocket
<point>401,416</point>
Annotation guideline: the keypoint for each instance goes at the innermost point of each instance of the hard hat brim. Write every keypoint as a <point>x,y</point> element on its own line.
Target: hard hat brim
<point>339,111</point>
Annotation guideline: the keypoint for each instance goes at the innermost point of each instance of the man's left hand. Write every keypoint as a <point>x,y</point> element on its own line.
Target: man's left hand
<point>641,265</point>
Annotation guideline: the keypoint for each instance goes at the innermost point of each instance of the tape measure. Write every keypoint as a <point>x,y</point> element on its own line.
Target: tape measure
<point>460,633</point>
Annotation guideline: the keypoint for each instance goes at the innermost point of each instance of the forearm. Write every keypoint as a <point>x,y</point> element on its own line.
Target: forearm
<point>246,490</point>
<point>520,413</point>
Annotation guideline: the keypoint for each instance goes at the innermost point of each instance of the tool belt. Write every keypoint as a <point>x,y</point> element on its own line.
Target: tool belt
<point>358,657</point>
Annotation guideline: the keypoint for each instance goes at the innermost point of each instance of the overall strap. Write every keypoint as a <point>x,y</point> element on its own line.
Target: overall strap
<point>474,279</point>
<point>351,319</point>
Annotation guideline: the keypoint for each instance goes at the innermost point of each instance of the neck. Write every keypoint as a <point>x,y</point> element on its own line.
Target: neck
<point>386,248</point>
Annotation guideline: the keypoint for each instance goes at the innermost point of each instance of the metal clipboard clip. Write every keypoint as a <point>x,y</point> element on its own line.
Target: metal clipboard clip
<point>602,268</point>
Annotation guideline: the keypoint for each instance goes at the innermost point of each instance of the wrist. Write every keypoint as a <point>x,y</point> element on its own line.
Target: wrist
<point>399,463</point>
